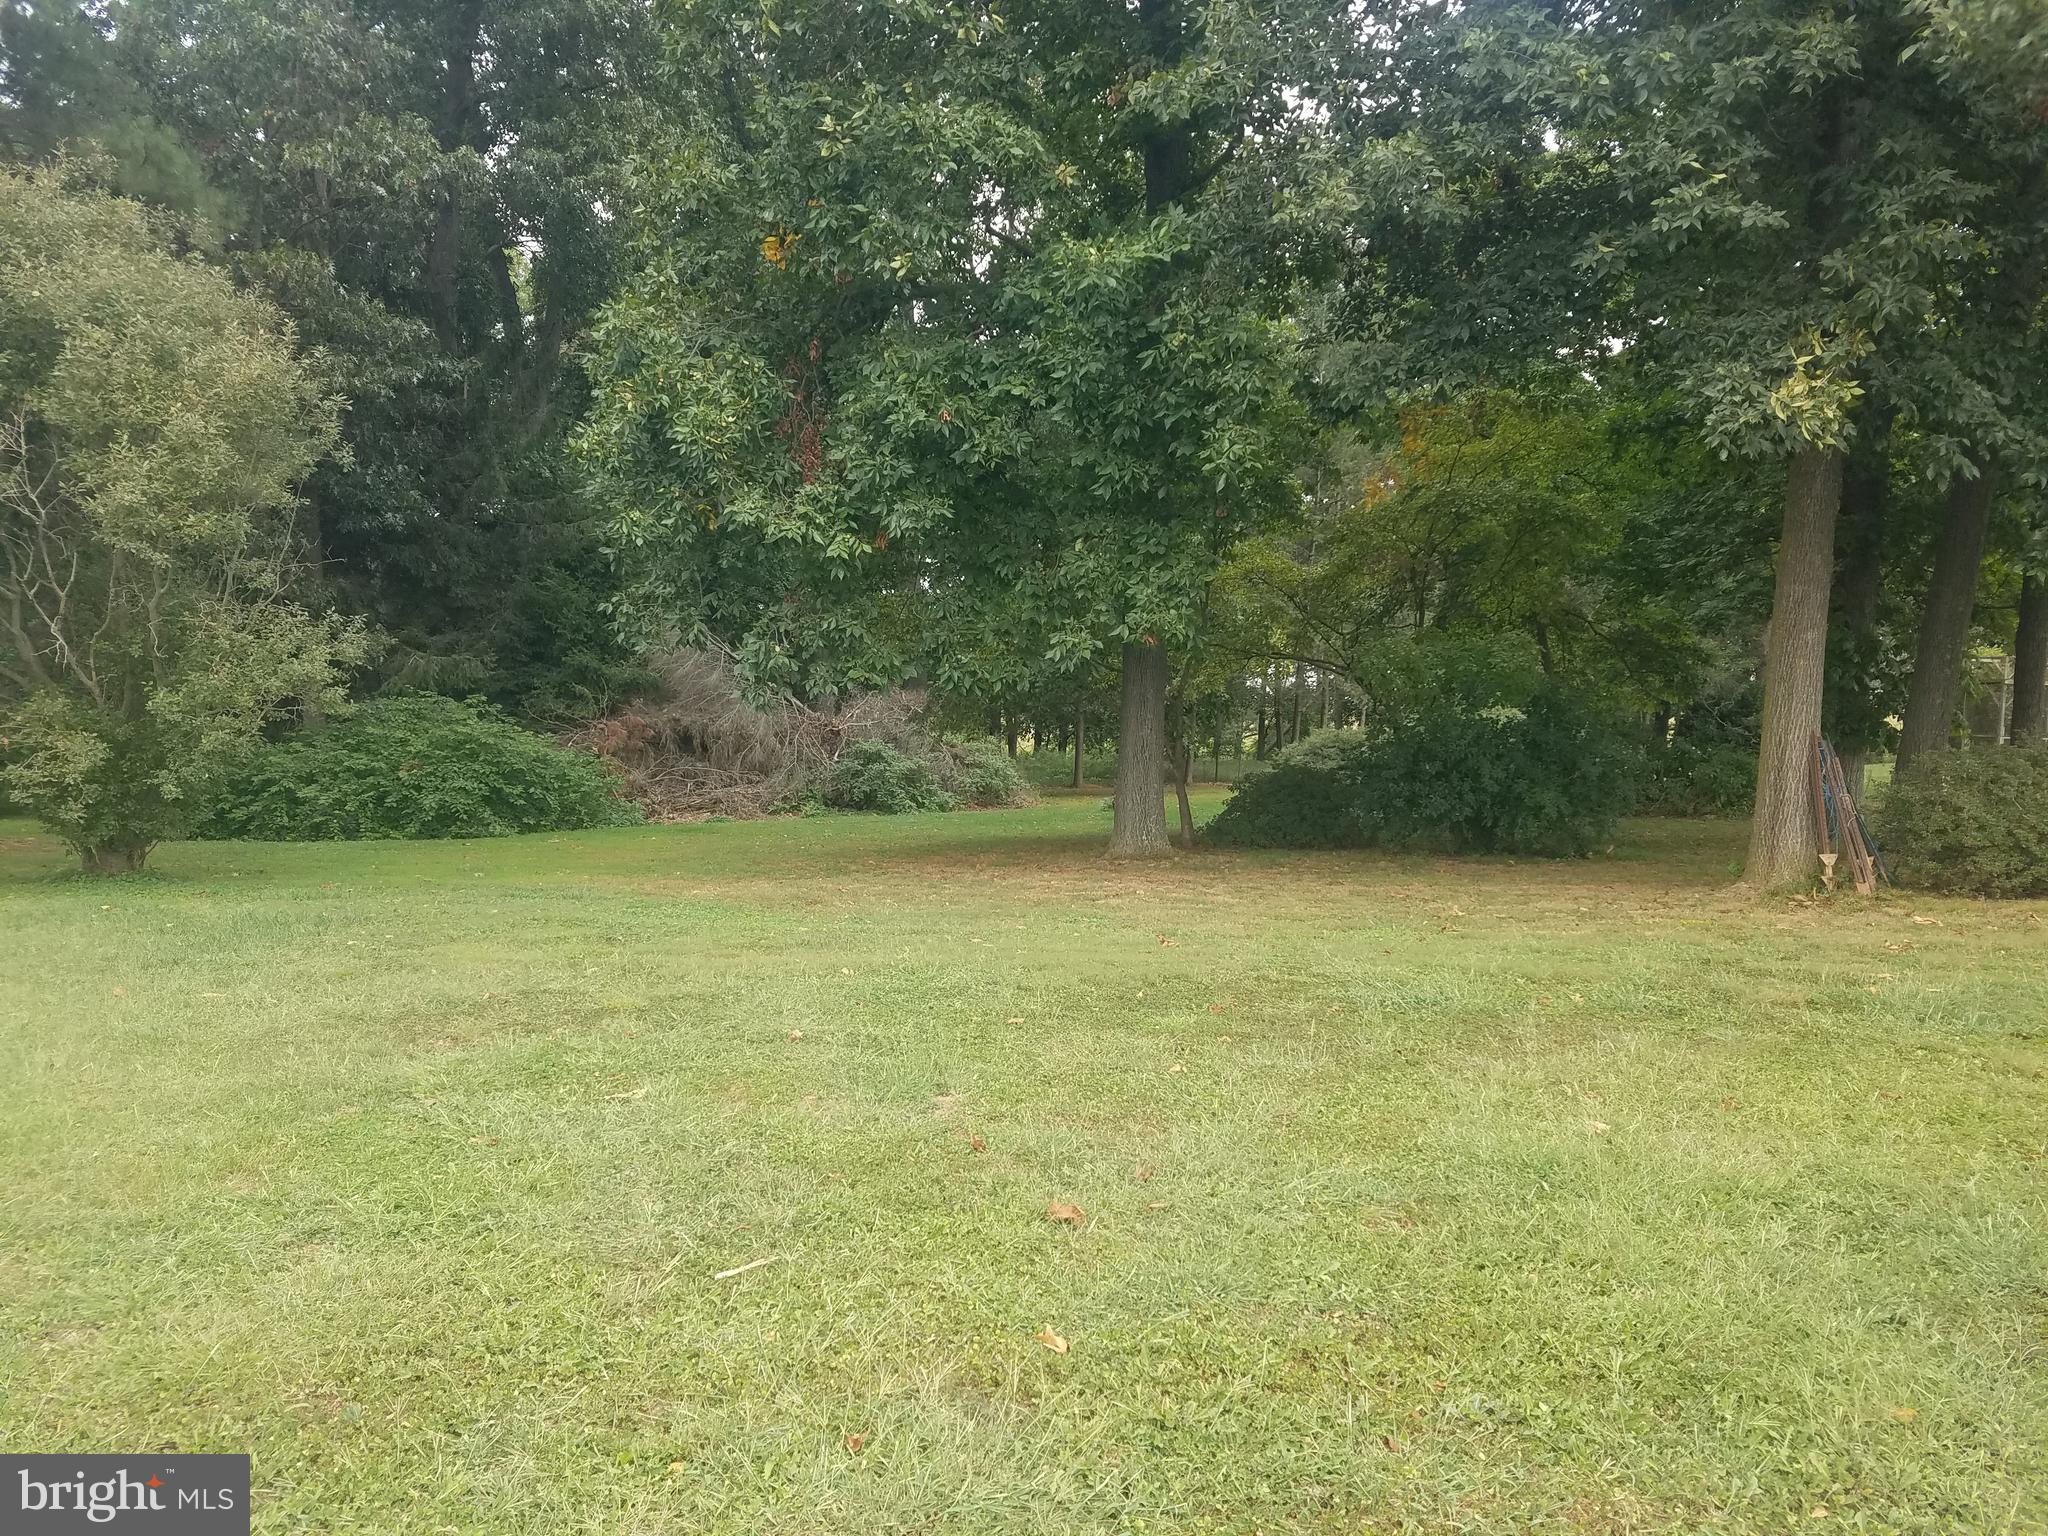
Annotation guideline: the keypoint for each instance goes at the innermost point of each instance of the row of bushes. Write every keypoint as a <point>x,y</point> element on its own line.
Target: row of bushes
<point>413,765</point>
<point>1548,778</point>
<point>420,765</point>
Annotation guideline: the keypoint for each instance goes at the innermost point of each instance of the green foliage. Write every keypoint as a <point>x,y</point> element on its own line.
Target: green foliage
<point>1974,823</point>
<point>421,188</point>
<point>113,782</point>
<point>1548,778</point>
<point>153,424</point>
<point>983,774</point>
<point>1689,779</point>
<point>413,765</point>
<point>864,409</point>
<point>1049,769</point>
<point>871,775</point>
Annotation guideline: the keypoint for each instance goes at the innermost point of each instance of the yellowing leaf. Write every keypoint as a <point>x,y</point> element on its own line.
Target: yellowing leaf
<point>1062,1210</point>
<point>1051,1340</point>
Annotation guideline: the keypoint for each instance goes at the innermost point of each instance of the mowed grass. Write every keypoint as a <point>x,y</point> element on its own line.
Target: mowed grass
<point>1420,1195</point>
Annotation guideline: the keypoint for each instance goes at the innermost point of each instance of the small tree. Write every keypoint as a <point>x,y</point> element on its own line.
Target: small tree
<point>153,422</point>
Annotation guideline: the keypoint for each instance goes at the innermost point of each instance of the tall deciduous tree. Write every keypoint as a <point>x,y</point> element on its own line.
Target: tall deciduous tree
<point>1795,186</point>
<point>153,425</point>
<point>428,190</point>
<point>1993,57</point>
<point>961,325</point>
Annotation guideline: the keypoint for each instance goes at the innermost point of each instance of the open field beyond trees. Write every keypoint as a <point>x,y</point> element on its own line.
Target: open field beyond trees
<point>1416,1195</point>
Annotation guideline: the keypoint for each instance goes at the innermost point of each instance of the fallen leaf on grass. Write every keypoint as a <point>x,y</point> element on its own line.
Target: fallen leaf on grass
<point>1598,1127</point>
<point>1155,1205</point>
<point>1019,1019</point>
<point>120,991</point>
<point>1218,1007</point>
<point>1144,1175</point>
<point>796,1034</point>
<point>976,1144</point>
<point>1905,1415</point>
<point>1176,1067</point>
<point>855,1442</point>
<point>1051,1340</point>
<point>1392,1444</point>
<point>1062,1210</point>
<point>630,1093</point>
<point>675,1466</point>
<point>1166,943</point>
<point>1927,922</point>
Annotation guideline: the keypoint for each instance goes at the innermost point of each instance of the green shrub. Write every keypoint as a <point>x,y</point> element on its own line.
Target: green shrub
<point>1548,779</point>
<point>414,765</point>
<point>1975,823</point>
<point>874,776</point>
<point>1686,779</point>
<point>982,773</point>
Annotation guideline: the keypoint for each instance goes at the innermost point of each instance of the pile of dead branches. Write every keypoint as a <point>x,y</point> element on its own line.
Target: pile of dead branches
<point>699,747</point>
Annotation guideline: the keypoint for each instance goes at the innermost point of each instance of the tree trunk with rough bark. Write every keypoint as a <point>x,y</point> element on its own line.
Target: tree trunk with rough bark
<point>1183,766</point>
<point>1935,692</point>
<point>1138,827</point>
<point>2030,664</point>
<point>1781,844</point>
<point>1866,494</point>
<point>1080,743</point>
<point>114,858</point>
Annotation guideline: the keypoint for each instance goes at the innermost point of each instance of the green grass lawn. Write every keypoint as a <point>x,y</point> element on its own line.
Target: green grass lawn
<point>1420,1195</point>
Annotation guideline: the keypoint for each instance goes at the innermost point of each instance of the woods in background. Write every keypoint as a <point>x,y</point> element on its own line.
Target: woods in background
<point>1165,378</point>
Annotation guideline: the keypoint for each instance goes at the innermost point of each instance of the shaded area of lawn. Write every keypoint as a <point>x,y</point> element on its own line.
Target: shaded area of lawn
<point>1484,1196</point>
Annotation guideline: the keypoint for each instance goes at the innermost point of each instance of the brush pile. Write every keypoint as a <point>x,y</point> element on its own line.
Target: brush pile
<point>700,747</point>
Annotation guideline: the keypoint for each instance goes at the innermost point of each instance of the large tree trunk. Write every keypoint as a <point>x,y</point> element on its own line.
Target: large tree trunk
<point>1936,690</point>
<point>114,858</point>
<point>2030,664</point>
<point>1138,829</point>
<point>1781,845</point>
<point>1183,765</point>
<point>1080,743</point>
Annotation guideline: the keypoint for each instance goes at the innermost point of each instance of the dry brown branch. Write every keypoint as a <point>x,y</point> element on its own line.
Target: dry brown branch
<point>701,748</point>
